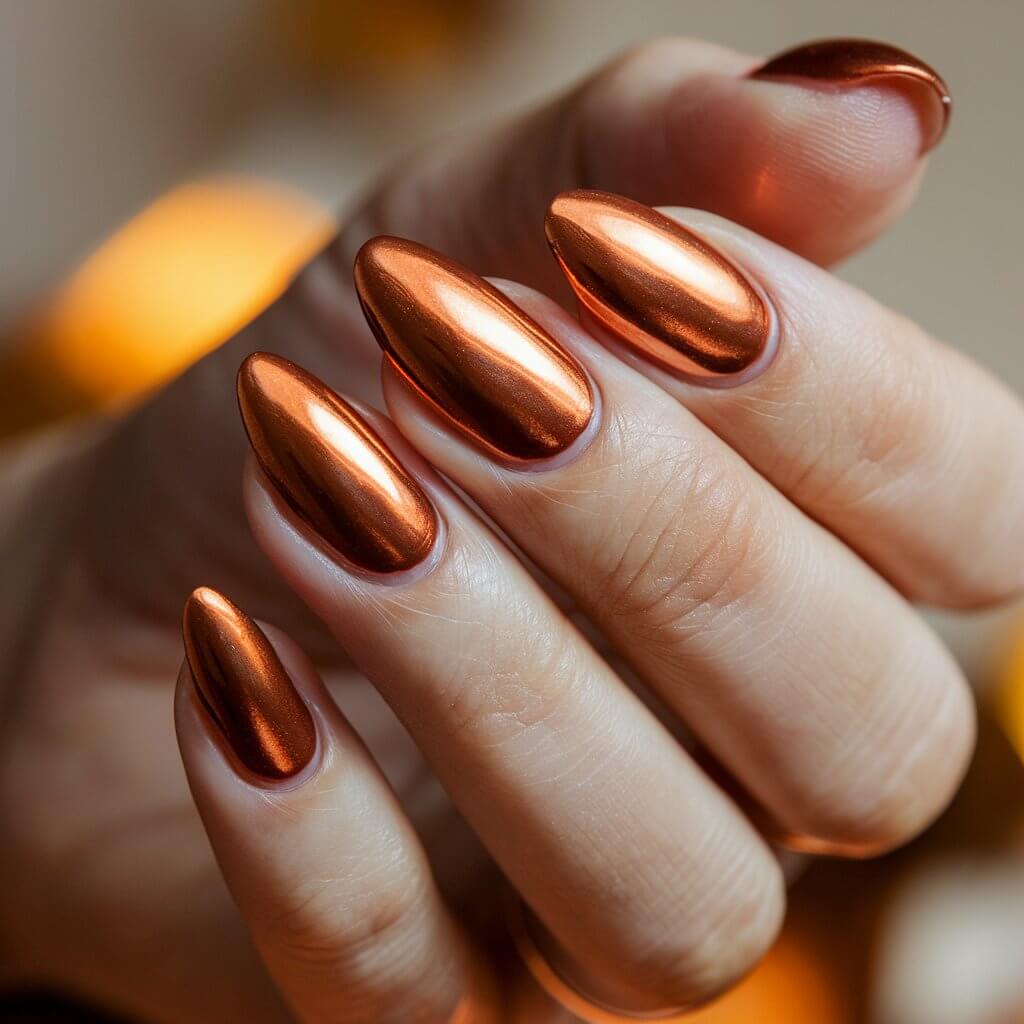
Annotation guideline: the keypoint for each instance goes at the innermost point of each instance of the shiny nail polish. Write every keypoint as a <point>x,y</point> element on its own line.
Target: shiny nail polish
<point>244,687</point>
<point>661,289</point>
<point>852,61</point>
<point>471,352</point>
<point>333,469</point>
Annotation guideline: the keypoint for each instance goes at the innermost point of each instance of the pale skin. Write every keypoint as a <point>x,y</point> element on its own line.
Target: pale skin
<point>749,555</point>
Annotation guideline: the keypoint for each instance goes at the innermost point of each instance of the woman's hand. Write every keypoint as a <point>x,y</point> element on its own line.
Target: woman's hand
<point>780,646</point>
<point>738,490</point>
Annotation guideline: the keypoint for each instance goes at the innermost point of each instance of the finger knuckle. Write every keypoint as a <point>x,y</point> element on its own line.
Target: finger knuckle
<point>882,793</point>
<point>495,693</point>
<point>690,952</point>
<point>693,548</point>
<point>987,570</point>
<point>856,450</point>
<point>327,923</point>
<point>505,670</point>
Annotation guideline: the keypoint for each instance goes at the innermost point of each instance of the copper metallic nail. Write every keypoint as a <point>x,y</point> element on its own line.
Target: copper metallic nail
<point>471,352</point>
<point>854,61</point>
<point>245,688</point>
<point>661,289</point>
<point>335,472</point>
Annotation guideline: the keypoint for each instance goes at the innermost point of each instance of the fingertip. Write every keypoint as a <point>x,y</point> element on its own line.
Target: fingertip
<point>819,167</point>
<point>851,63</point>
<point>824,171</point>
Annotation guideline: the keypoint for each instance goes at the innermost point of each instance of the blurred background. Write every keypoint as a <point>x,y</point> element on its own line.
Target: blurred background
<point>168,165</point>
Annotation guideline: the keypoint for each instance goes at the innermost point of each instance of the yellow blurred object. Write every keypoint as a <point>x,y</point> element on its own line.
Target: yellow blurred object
<point>347,40</point>
<point>175,280</point>
<point>1010,698</point>
<point>167,286</point>
<point>789,987</point>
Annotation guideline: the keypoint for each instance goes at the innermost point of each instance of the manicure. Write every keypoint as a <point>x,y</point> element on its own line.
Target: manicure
<point>660,289</point>
<point>244,687</point>
<point>855,61</point>
<point>333,470</point>
<point>468,350</point>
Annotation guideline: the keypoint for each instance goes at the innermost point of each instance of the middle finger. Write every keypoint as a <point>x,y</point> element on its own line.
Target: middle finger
<point>806,674</point>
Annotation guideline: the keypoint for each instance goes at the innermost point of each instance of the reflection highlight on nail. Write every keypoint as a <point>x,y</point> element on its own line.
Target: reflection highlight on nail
<point>660,288</point>
<point>467,349</point>
<point>244,687</point>
<point>333,469</point>
<point>853,61</point>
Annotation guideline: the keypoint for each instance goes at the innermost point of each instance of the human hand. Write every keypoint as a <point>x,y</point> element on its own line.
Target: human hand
<point>105,812</point>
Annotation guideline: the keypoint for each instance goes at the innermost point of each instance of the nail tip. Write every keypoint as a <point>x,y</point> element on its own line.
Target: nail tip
<point>259,365</point>
<point>202,606</point>
<point>386,258</point>
<point>366,257</point>
<point>254,382</point>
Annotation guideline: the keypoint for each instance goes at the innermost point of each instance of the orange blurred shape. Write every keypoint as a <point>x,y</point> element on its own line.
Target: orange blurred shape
<point>1010,701</point>
<point>344,40</point>
<point>174,281</point>
<point>789,987</point>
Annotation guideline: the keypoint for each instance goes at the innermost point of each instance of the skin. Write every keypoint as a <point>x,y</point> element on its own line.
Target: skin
<point>113,890</point>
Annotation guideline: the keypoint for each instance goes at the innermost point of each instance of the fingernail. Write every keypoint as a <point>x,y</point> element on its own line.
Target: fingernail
<point>854,61</point>
<point>472,353</point>
<point>244,687</point>
<point>661,289</point>
<point>333,469</point>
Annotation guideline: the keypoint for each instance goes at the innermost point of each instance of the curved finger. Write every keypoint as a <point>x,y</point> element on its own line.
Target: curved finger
<point>902,446</point>
<point>328,874</point>
<point>820,166</point>
<point>798,666</point>
<point>656,888</point>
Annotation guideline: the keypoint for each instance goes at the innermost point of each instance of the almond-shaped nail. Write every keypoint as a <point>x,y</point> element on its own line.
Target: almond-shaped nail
<point>661,289</point>
<point>244,687</point>
<point>471,352</point>
<point>333,469</point>
<point>854,61</point>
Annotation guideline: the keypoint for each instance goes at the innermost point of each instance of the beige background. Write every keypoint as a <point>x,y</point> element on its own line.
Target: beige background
<point>105,103</point>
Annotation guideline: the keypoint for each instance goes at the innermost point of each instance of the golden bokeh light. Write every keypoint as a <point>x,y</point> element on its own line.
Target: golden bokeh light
<point>1010,702</point>
<point>790,986</point>
<point>174,281</point>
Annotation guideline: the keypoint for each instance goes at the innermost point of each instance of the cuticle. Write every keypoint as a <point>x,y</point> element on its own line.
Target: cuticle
<point>580,444</point>
<point>404,577</point>
<point>311,536</point>
<point>310,770</point>
<point>239,768</point>
<point>764,361</point>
